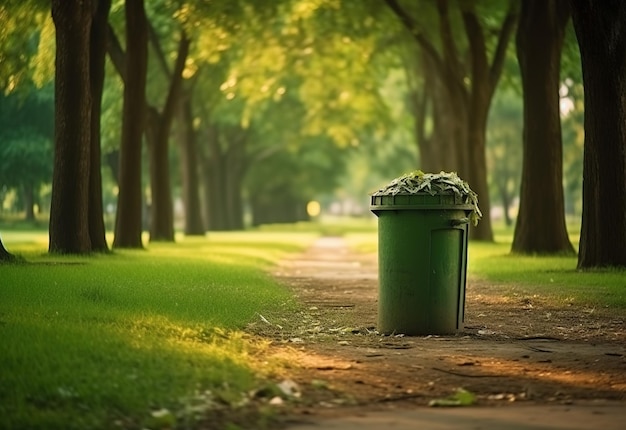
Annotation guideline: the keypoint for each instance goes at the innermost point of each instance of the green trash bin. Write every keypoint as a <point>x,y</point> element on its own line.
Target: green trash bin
<point>422,254</point>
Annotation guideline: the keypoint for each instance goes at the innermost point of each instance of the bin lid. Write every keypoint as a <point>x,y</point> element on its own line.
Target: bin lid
<point>420,201</point>
<point>422,191</point>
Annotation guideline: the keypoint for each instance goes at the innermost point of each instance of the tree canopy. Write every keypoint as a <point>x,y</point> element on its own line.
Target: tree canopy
<point>224,105</point>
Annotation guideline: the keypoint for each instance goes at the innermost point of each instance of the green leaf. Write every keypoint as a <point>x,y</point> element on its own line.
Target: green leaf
<point>462,397</point>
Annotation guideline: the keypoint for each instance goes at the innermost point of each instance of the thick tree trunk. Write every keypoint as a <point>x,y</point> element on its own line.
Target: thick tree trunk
<point>540,226</point>
<point>97,231</point>
<point>194,224</point>
<point>601,32</point>
<point>69,217</point>
<point>128,226</point>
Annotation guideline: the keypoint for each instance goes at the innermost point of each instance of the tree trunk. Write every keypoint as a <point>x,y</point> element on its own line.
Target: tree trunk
<point>161,206</point>
<point>128,218</point>
<point>97,231</point>
<point>224,171</point>
<point>29,201</point>
<point>158,135</point>
<point>447,143</point>
<point>69,217</point>
<point>505,197</point>
<point>540,226</point>
<point>273,205</point>
<point>112,160</point>
<point>601,33</point>
<point>189,170</point>
<point>215,208</point>
<point>475,172</point>
<point>484,77</point>
<point>460,112</point>
<point>235,172</point>
<point>234,198</point>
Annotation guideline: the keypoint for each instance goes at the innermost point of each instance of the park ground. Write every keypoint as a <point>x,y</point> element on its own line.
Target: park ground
<point>517,351</point>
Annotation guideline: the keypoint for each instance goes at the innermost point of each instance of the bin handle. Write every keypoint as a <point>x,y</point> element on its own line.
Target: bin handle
<point>460,221</point>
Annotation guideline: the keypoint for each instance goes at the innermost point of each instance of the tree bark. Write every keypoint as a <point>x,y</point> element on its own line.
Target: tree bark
<point>540,226</point>
<point>601,33</point>
<point>97,231</point>
<point>224,169</point>
<point>194,225</point>
<point>158,134</point>
<point>29,201</point>
<point>215,210</point>
<point>439,150</point>
<point>69,215</point>
<point>460,112</point>
<point>161,206</point>
<point>128,226</point>
<point>484,77</point>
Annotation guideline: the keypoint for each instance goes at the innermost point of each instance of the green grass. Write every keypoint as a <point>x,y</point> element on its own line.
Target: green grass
<point>103,341</point>
<point>553,278</point>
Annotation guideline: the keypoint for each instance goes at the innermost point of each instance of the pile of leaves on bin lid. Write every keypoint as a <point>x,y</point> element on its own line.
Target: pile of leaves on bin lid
<point>433,183</point>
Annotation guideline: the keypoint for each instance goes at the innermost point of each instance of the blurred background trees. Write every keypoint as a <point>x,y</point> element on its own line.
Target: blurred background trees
<point>234,113</point>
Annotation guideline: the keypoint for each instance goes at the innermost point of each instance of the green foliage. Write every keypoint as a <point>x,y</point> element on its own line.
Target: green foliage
<point>19,38</point>
<point>26,135</point>
<point>134,337</point>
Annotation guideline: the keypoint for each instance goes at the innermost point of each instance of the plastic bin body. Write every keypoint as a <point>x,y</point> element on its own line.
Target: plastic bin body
<point>422,256</point>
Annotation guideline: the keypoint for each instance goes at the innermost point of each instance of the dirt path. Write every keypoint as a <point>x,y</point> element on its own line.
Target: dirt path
<point>514,349</point>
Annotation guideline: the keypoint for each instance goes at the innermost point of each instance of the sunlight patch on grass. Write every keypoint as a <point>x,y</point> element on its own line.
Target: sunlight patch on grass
<point>90,341</point>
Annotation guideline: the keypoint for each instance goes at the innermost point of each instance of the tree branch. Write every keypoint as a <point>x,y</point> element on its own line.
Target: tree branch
<point>410,24</point>
<point>177,78</point>
<point>477,45</point>
<point>451,54</point>
<point>116,53</point>
<point>156,44</point>
<point>506,32</point>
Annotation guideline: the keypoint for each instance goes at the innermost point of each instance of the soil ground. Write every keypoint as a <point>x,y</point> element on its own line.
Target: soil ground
<point>515,350</point>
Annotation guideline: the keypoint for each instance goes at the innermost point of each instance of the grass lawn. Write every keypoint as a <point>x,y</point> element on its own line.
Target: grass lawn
<point>153,338</point>
<point>554,278</point>
<point>138,338</point>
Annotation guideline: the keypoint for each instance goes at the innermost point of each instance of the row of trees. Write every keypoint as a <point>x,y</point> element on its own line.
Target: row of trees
<point>256,86</point>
